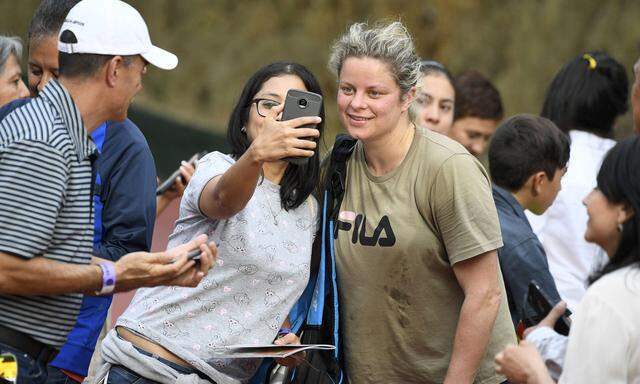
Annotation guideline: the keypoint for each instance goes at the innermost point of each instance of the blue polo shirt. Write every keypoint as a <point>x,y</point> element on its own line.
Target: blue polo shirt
<point>522,258</point>
<point>124,215</point>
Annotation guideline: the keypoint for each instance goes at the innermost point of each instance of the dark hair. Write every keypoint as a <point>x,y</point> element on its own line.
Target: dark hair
<point>619,181</point>
<point>523,145</point>
<point>588,93</point>
<point>476,97</point>
<point>299,180</point>
<point>82,65</point>
<point>48,18</point>
<point>428,67</point>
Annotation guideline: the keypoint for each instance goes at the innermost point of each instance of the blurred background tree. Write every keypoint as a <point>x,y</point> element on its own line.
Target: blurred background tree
<point>518,44</point>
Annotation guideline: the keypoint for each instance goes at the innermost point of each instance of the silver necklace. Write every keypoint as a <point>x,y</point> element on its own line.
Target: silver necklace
<point>275,215</point>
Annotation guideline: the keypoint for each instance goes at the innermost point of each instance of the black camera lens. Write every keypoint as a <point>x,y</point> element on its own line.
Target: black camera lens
<point>302,103</point>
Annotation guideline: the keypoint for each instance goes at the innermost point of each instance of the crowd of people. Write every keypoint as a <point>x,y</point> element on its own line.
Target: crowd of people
<point>398,248</point>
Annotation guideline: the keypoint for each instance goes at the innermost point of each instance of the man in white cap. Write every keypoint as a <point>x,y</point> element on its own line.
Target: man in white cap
<point>46,223</point>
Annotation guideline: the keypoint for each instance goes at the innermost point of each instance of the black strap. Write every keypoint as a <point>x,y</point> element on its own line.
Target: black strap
<point>335,186</point>
<point>322,367</point>
<point>337,172</point>
<point>24,343</point>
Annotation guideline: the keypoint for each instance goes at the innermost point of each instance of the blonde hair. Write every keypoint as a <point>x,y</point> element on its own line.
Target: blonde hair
<point>390,43</point>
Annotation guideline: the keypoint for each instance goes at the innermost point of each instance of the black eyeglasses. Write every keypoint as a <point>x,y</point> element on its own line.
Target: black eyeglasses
<point>264,107</point>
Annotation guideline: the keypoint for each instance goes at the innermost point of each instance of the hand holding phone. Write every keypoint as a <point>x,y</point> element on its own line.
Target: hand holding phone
<point>279,139</point>
<point>194,255</point>
<point>300,103</point>
<point>542,306</point>
<point>169,181</point>
<point>170,267</point>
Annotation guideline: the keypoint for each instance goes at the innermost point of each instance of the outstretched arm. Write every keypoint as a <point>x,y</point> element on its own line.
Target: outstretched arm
<point>42,276</point>
<point>228,194</point>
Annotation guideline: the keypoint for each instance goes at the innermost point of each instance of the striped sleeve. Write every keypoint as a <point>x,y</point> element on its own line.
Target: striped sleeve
<point>33,178</point>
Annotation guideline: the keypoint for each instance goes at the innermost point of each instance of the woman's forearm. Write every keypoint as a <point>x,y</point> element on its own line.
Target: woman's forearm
<point>477,318</point>
<point>228,194</point>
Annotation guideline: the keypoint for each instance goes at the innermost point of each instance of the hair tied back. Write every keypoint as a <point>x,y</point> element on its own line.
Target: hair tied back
<point>592,62</point>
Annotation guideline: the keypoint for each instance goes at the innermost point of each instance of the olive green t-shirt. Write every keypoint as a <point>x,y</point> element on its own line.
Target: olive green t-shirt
<point>398,237</point>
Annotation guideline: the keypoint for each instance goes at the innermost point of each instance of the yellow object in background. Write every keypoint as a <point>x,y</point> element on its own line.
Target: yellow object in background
<point>8,367</point>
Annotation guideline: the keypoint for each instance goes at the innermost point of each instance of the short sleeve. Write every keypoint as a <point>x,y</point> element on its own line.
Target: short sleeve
<point>212,165</point>
<point>33,180</point>
<point>463,209</point>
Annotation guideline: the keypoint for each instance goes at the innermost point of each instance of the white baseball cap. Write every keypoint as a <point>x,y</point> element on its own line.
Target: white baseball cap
<point>112,27</point>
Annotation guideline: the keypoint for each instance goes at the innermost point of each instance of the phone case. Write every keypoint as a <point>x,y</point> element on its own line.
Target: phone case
<point>541,304</point>
<point>168,182</point>
<point>300,103</point>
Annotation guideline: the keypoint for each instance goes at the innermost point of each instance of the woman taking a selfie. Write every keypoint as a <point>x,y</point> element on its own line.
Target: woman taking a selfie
<point>604,341</point>
<point>419,282</point>
<point>258,208</point>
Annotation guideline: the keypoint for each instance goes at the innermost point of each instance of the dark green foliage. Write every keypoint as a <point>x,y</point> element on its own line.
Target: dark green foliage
<point>220,43</point>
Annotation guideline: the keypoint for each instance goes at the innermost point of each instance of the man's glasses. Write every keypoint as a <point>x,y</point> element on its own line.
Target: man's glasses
<point>265,107</point>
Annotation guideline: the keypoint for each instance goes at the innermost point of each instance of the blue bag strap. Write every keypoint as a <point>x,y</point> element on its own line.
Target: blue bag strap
<point>316,310</point>
<point>334,285</point>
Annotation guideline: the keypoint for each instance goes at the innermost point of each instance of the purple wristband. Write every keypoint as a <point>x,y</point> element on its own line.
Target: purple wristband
<point>108,278</point>
<point>284,331</point>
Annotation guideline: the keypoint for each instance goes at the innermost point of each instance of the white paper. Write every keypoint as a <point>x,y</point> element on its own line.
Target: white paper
<point>246,351</point>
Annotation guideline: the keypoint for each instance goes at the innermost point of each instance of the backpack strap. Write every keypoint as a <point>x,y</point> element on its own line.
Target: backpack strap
<point>337,173</point>
<point>331,195</point>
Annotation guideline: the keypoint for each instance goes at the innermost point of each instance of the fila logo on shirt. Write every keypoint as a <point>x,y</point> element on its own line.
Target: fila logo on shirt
<point>382,235</point>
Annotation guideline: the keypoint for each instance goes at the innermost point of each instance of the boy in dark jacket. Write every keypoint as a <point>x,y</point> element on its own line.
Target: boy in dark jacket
<point>527,159</point>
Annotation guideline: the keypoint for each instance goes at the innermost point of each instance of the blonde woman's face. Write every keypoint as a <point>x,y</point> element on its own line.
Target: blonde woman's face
<point>370,102</point>
<point>435,102</point>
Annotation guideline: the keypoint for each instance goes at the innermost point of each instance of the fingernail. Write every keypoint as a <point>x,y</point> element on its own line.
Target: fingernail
<point>183,162</point>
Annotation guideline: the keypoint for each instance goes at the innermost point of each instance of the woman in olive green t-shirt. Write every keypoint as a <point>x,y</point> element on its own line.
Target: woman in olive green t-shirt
<point>421,293</point>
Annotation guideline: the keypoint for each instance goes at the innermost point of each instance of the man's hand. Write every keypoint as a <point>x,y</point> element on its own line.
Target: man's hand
<point>522,364</point>
<point>550,320</point>
<point>293,360</point>
<point>142,269</point>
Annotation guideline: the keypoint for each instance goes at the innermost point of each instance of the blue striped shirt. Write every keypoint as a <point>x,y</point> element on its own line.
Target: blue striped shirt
<point>45,190</point>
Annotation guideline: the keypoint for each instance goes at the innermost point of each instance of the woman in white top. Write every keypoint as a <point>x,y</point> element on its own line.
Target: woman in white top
<point>584,99</point>
<point>604,341</point>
